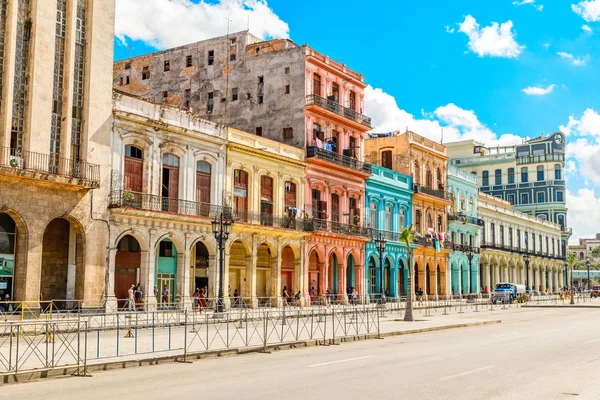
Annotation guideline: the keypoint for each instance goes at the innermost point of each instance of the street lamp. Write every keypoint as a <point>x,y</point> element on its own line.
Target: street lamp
<point>469,253</point>
<point>587,264</point>
<point>221,228</point>
<point>526,259</point>
<point>380,243</point>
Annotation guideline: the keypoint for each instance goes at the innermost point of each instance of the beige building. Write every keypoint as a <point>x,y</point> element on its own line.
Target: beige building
<point>584,249</point>
<point>55,123</point>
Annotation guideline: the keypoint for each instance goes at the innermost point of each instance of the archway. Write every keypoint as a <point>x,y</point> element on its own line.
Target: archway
<point>127,267</point>
<point>62,262</point>
<point>439,280</point>
<point>350,273</point>
<point>333,273</point>
<point>427,280</point>
<point>166,272</point>
<point>8,251</point>
<point>417,282</point>
<point>238,262</point>
<point>402,282</point>
<point>314,276</point>
<point>387,281</point>
<point>456,284</point>
<point>200,269</point>
<point>265,267</point>
<point>373,275</point>
<point>288,270</point>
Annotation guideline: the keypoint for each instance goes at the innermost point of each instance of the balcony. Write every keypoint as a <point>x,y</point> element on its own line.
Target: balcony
<point>387,235</point>
<point>441,193</point>
<point>460,217</point>
<point>150,202</point>
<point>465,248</point>
<point>540,158</point>
<point>520,250</point>
<point>428,242</point>
<point>315,224</point>
<point>335,107</point>
<point>268,219</point>
<point>338,159</point>
<point>566,229</point>
<point>25,163</point>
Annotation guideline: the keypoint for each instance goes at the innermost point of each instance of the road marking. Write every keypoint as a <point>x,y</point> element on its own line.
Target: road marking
<point>592,341</point>
<point>447,378</point>
<point>507,334</point>
<point>339,361</point>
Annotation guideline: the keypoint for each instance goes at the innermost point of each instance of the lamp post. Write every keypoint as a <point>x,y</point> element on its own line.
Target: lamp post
<point>526,259</point>
<point>380,243</point>
<point>221,228</point>
<point>587,264</point>
<point>469,254</point>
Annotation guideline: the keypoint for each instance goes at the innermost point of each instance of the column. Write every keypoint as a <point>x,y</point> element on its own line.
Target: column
<point>71,264</point>
<point>148,278</point>
<point>110,300</point>
<point>496,274</point>
<point>182,296</point>
<point>460,281</point>
<point>488,277</point>
<point>449,278</point>
<point>551,281</point>
<point>250,287</point>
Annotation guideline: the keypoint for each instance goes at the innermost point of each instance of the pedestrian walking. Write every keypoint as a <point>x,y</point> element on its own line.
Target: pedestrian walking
<point>285,295</point>
<point>165,296</point>
<point>131,298</point>
<point>354,294</point>
<point>195,299</point>
<point>138,296</point>
<point>202,300</point>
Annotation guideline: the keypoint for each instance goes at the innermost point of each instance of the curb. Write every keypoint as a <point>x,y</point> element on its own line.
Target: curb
<point>108,366</point>
<point>562,306</point>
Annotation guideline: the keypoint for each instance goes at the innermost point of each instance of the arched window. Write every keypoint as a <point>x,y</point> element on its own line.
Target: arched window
<point>440,179</point>
<point>240,193</point>
<point>429,221</point>
<point>561,220</point>
<point>428,176</point>
<point>485,178</point>
<point>511,176</point>
<point>373,215</point>
<point>316,85</point>
<point>540,173</point>
<point>170,182</point>
<point>462,202</point>
<point>133,169</point>
<point>417,173</point>
<point>581,255</point>
<point>418,221</point>
<point>388,218</point>
<point>203,178</point>
<point>402,218</point>
<point>524,175</point>
<point>557,172</point>
<point>470,203</point>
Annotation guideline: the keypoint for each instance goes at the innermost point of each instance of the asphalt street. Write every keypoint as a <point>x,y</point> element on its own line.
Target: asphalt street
<point>533,354</point>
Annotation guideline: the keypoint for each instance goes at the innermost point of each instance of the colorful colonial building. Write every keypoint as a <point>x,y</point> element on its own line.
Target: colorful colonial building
<point>425,161</point>
<point>463,228</point>
<point>389,210</point>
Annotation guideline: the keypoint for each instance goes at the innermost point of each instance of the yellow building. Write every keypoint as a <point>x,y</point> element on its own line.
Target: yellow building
<point>265,252</point>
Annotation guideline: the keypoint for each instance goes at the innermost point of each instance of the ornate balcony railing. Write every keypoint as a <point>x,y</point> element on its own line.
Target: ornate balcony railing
<point>521,250</point>
<point>540,158</point>
<point>466,249</point>
<point>566,229</point>
<point>464,219</point>
<point>427,242</point>
<point>51,164</point>
<point>336,108</point>
<point>442,194</point>
<point>339,159</point>
<point>386,235</point>
<point>269,219</point>
<point>314,224</point>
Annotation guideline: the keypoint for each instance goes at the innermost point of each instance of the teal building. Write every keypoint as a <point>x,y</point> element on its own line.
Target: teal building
<point>388,210</point>
<point>463,229</point>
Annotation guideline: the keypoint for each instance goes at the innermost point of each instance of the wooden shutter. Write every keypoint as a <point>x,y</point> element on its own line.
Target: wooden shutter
<point>133,174</point>
<point>290,195</point>
<point>335,207</point>
<point>266,188</point>
<point>202,187</point>
<point>386,159</point>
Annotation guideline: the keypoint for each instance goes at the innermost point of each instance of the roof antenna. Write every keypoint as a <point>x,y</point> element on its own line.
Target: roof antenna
<point>442,139</point>
<point>248,26</point>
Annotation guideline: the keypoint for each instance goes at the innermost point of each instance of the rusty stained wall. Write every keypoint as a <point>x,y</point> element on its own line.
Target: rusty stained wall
<point>278,110</point>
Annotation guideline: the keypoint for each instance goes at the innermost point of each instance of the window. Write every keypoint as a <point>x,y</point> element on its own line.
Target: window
<point>352,101</point>
<point>526,241</point>
<point>145,73</point>
<point>510,237</point>
<point>290,195</point>
<point>429,221</point>
<point>234,94</point>
<point>134,175</point>
<point>541,197</point>
<point>167,66</point>
<point>210,103</point>
<point>560,197</point>
<point>510,198</point>
<point>287,70</point>
<point>258,131</point>
<point>388,218</point>
<point>498,177</point>
<point>524,198</point>
<point>127,80</point>
<point>533,242</point>
<point>485,178</point>
<point>439,177</point>
<point>188,61</point>
<point>461,203</point>
<point>287,89</point>
<point>203,186</point>
<point>288,133</point>
<point>386,159</point>
<point>561,220</point>
<point>540,173</point>
<point>402,218</point>
<point>519,239</point>
<point>524,175</point>
<point>316,85</point>
<point>233,49</point>
<point>493,233</point>
<point>470,203</point>
<point>211,57</point>
<point>511,176</point>
<point>128,65</point>
<point>547,246</point>
<point>261,87</point>
<point>553,247</point>
<point>501,235</point>
<point>418,220</point>
<point>557,172</point>
<point>439,223</point>
<point>165,94</point>
<point>240,193</point>
<point>428,176</point>
<point>417,173</point>
<point>165,249</point>
<point>187,97</point>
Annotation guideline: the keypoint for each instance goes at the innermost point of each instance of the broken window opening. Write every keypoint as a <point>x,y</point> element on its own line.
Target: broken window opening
<point>288,133</point>
<point>145,73</point>
<point>211,57</point>
<point>167,66</point>
<point>188,61</point>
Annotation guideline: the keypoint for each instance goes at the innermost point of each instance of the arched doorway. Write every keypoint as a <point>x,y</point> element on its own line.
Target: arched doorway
<point>166,272</point>
<point>62,262</point>
<point>333,273</point>
<point>314,276</point>
<point>265,282</point>
<point>288,270</point>
<point>387,281</point>
<point>8,251</point>
<point>372,275</point>
<point>427,275</point>
<point>417,282</point>
<point>439,280</point>
<point>238,261</point>
<point>402,284</point>
<point>200,269</point>
<point>127,267</point>
<point>350,272</point>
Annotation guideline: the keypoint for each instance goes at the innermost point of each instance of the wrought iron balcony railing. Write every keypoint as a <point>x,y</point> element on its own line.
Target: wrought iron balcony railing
<point>427,242</point>
<point>466,248</point>
<point>336,108</point>
<point>386,235</point>
<point>339,159</point>
<point>269,219</point>
<point>464,219</point>
<point>51,164</point>
<point>442,194</point>
<point>315,224</point>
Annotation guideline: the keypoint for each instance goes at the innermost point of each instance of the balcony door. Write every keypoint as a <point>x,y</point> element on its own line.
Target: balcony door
<point>240,193</point>
<point>335,207</point>
<point>316,85</point>
<point>203,178</point>
<point>170,182</point>
<point>266,200</point>
<point>133,168</point>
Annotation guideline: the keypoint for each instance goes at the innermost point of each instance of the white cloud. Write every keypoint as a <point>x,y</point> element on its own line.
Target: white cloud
<point>587,28</point>
<point>532,2</point>
<point>587,125</point>
<point>584,213</point>
<point>456,123</point>
<point>449,29</point>
<point>538,91</point>
<point>170,23</point>
<point>588,10</point>
<point>496,40</point>
<point>578,61</point>
<point>546,45</point>
<point>587,155</point>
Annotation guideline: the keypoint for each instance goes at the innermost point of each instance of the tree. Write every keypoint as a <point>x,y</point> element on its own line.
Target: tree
<point>406,237</point>
<point>571,258</point>
<point>596,252</point>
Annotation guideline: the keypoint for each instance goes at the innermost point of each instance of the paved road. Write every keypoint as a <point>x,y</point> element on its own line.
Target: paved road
<point>533,354</point>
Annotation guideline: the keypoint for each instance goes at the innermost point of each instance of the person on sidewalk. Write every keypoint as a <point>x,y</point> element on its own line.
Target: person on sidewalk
<point>138,296</point>
<point>202,300</point>
<point>131,298</point>
<point>195,299</point>
<point>285,295</point>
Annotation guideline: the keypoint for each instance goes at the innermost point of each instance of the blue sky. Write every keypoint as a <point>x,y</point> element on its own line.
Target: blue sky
<point>431,64</point>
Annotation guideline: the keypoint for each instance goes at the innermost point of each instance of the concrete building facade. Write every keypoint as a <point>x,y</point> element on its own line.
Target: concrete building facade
<point>425,161</point>
<point>464,229</point>
<point>389,200</point>
<point>55,123</point>
<point>585,247</point>
<point>518,248</point>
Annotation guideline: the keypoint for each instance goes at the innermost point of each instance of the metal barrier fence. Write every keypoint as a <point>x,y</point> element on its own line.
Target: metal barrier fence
<point>42,346</point>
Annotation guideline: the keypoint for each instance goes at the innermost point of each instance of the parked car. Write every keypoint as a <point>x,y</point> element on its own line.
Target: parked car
<point>595,291</point>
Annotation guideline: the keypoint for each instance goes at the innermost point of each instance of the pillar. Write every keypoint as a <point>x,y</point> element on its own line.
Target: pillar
<point>110,300</point>
<point>182,290</point>
<point>147,266</point>
<point>250,278</point>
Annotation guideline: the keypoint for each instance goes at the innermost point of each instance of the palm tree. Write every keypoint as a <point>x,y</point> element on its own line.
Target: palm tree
<point>406,237</point>
<point>571,258</point>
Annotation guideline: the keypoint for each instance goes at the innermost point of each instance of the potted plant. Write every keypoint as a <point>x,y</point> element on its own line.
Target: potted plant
<point>128,198</point>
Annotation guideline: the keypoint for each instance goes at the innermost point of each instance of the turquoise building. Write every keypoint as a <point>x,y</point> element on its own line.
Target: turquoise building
<point>463,229</point>
<point>388,210</point>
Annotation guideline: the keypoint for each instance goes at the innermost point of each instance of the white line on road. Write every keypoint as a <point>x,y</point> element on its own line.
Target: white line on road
<point>592,341</point>
<point>507,334</point>
<point>339,361</point>
<point>447,378</point>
